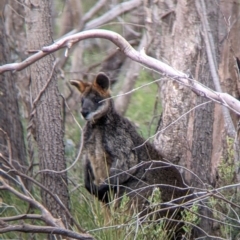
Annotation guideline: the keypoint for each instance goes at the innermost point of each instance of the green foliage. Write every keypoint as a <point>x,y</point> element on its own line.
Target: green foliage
<point>155,198</point>
<point>153,230</point>
<point>190,219</point>
<point>123,222</point>
<point>102,222</point>
<point>224,208</point>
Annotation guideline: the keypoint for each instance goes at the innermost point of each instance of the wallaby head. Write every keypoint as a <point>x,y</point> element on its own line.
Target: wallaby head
<point>92,105</point>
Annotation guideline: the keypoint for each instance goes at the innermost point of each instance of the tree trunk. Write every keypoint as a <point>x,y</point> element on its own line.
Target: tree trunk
<point>197,139</point>
<point>48,120</point>
<point>9,111</point>
<point>16,38</point>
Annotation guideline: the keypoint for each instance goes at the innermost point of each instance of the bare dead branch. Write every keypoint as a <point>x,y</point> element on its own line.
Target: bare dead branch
<point>222,98</point>
<point>9,161</point>
<point>47,217</point>
<point>113,13</point>
<point>18,173</point>
<point>103,19</point>
<point>175,121</point>
<point>27,62</point>
<point>27,228</point>
<point>94,10</point>
<point>22,216</point>
<point>108,16</point>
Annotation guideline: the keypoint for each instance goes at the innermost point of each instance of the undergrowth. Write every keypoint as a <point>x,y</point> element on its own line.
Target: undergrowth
<point>124,222</point>
<point>224,206</point>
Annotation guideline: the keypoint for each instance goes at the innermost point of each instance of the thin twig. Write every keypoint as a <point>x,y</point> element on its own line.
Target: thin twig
<point>22,216</point>
<point>93,10</point>
<point>45,86</point>
<point>160,131</point>
<point>119,9</point>
<point>9,162</point>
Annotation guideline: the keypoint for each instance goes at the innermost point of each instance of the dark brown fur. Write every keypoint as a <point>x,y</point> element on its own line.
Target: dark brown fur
<point>115,158</point>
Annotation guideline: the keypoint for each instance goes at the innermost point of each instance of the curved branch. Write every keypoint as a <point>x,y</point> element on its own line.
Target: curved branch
<point>27,228</point>
<point>140,57</point>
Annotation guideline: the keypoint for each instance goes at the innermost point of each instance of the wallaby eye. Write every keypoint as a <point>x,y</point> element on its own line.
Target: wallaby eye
<point>96,99</point>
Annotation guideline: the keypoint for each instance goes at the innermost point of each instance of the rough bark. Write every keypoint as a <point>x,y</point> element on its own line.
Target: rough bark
<point>228,35</point>
<point>183,54</point>
<point>198,139</point>
<point>16,37</point>
<point>10,120</point>
<point>48,120</point>
<point>189,141</point>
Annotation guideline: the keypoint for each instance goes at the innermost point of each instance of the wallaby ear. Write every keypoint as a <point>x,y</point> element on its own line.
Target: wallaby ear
<point>80,85</point>
<point>102,81</point>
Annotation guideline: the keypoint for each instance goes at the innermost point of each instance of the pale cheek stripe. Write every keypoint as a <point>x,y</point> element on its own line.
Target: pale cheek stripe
<point>99,112</point>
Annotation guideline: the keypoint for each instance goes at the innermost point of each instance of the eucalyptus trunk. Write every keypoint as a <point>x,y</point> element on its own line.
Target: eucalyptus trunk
<point>197,140</point>
<point>47,117</point>
<point>10,121</point>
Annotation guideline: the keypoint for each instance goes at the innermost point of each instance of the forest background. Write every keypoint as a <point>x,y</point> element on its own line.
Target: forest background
<point>40,123</point>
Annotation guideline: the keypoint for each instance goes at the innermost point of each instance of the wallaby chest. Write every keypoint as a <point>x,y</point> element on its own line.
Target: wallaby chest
<point>95,153</point>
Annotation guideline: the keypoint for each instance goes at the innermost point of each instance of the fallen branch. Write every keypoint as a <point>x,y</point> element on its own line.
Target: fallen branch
<point>222,98</point>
